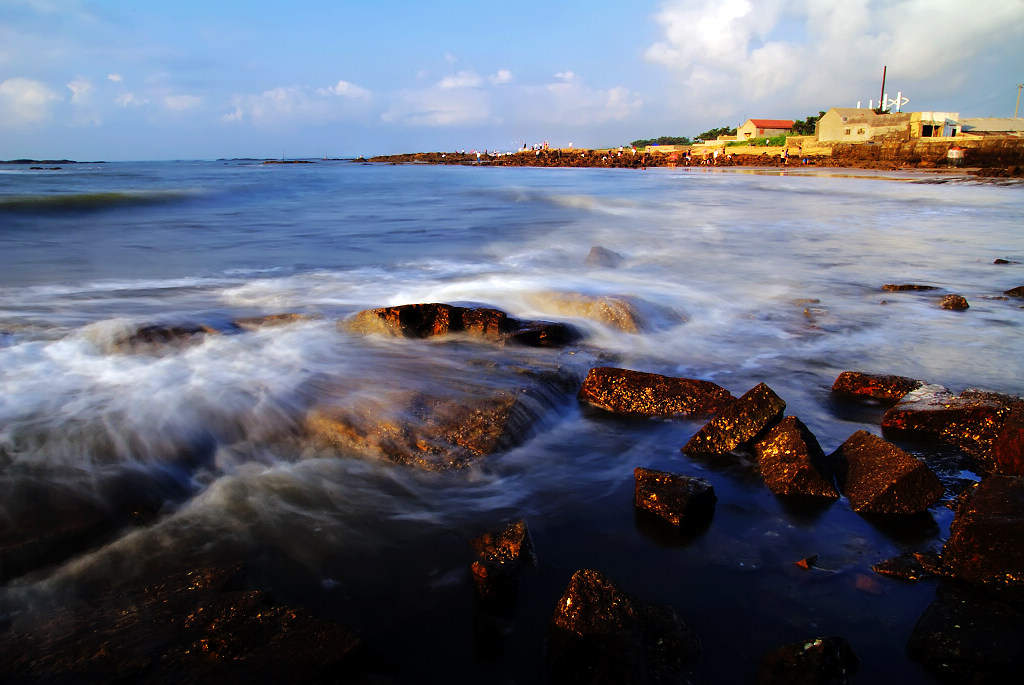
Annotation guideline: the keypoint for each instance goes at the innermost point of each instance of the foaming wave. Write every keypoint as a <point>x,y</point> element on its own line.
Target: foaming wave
<point>84,202</point>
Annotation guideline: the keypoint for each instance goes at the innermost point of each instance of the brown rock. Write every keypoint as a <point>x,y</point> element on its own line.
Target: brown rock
<point>880,478</point>
<point>621,313</point>
<point>882,388</point>
<point>600,634</point>
<point>251,323</point>
<point>912,566</point>
<point>157,336</point>
<point>648,394</point>
<point>1015,292</point>
<point>954,302</point>
<point>985,537</point>
<point>1007,454</point>
<point>905,287</point>
<point>971,421</point>
<point>792,462</point>
<point>501,556</point>
<point>680,500</point>
<point>738,423</point>
<point>602,256</point>
<point>434,319</point>
<point>811,662</point>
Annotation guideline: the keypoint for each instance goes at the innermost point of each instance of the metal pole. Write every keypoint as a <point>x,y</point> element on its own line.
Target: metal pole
<point>881,96</point>
<point>1019,86</point>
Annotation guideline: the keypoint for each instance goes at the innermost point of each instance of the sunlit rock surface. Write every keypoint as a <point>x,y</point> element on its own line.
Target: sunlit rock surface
<point>880,478</point>
<point>792,463</point>
<point>986,536</point>
<point>882,388</point>
<point>501,556</point>
<point>681,500</point>
<point>634,392</point>
<point>738,423</point>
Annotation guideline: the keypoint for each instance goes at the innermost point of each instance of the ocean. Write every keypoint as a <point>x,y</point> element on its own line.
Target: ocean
<point>737,276</point>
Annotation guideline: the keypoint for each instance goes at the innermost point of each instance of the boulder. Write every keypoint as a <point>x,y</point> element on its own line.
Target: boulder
<point>969,635</point>
<point>647,394</point>
<point>881,388</point>
<point>191,626</point>
<point>970,422</point>
<point>602,256</point>
<point>620,313</point>
<point>738,423</point>
<point>792,463</point>
<point>434,319</point>
<point>912,566</point>
<point>984,544</point>
<point>251,323</point>
<point>956,303</point>
<point>1007,453</point>
<point>600,634</point>
<point>810,662</point>
<point>158,336</point>
<point>501,556</point>
<point>907,287</point>
<point>680,500</point>
<point>880,478</point>
<point>1015,292</point>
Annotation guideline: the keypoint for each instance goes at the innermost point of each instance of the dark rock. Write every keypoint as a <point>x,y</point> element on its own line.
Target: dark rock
<point>600,634</point>
<point>156,336</point>
<point>823,660</point>
<point>954,302</point>
<point>501,556</point>
<point>1007,453</point>
<point>971,421</point>
<point>906,287</point>
<point>882,388</point>
<point>601,256</point>
<point>984,544</point>
<point>434,319</point>
<point>912,566</point>
<point>1015,292</point>
<point>792,462</point>
<point>648,394</point>
<point>251,323</point>
<point>1000,260</point>
<point>968,635</point>
<point>739,423</point>
<point>680,500</point>
<point>192,626</point>
<point>880,478</point>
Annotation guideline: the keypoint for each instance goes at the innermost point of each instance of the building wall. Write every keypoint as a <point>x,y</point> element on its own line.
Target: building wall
<point>749,130</point>
<point>850,125</point>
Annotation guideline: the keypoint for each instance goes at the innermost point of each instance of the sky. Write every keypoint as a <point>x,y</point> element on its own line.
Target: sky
<point>188,79</point>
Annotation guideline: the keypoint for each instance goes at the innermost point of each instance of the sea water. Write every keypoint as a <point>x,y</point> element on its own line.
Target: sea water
<point>739,277</point>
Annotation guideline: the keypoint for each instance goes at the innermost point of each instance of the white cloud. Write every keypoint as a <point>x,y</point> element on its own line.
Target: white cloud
<point>25,101</point>
<point>345,89</point>
<point>565,76</point>
<point>789,55</point>
<point>501,77</point>
<point>80,88</point>
<point>114,77</point>
<point>569,101</point>
<point>462,79</point>
<point>129,100</point>
<point>180,103</point>
<point>301,104</point>
<point>440,107</point>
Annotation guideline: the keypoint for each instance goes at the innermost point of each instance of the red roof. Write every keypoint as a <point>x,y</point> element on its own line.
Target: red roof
<point>772,123</point>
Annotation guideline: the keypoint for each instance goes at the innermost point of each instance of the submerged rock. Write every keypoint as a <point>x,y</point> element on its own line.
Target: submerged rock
<point>635,392</point>
<point>157,336</point>
<point>681,500</point>
<point>912,566</point>
<point>1015,292</point>
<point>738,423</point>
<point>954,302</point>
<point>501,557</point>
<point>251,323</point>
<point>884,389</point>
<point>880,478</point>
<point>602,256</point>
<point>984,544</point>
<point>434,319</point>
<point>907,287</point>
<point>600,634</point>
<point>812,662</point>
<point>621,313</point>
<point>792,463</point>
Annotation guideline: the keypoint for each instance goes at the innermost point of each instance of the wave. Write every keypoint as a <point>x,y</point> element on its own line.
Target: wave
<point>79,202</point>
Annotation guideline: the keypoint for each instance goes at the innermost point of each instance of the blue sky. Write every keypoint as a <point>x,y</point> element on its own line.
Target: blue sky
<point>116,80</point>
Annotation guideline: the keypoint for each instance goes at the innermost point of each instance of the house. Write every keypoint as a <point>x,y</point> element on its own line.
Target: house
<point>764,128</point>
<point>992,127</point>
<point>853,125</point>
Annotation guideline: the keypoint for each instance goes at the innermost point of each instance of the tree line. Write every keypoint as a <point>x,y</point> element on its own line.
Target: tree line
<point>801,127</point>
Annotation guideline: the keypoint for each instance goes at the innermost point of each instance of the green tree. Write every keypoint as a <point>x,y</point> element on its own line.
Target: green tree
<point>805,127</point>
<point>715,132</point>
<point>663,140</point>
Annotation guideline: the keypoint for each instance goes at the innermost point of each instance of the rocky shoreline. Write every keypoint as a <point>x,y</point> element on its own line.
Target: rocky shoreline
<point>205,624</point>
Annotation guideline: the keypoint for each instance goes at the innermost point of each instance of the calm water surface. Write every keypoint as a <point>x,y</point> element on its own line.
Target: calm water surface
<point>741,277</point>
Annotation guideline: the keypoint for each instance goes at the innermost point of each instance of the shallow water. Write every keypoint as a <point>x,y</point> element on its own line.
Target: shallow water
<point>740,278</point>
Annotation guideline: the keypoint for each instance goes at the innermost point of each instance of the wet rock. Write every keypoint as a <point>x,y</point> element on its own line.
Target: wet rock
<point>602,256</point>
<point>684,501</point>
<point>157,336</point>
<point>907,287</point>
<point>970,421</point>
<point>792,463</point>
<point>738,423</point>
<point>621,313</point>
<point>956,303</point>
<point>984,544</point>
<point>1007,453</point>
<point>251,323</point>
<point>501,557</point>
<point>912,566</point>
<point>1001,261</point>
<point>194,626</point>
<point>880,478</point>
<point>635,392</point>
<point>600,634</point>
<point>969,635</point>
<point>1015,292</point>
<point>812,662</point>
<point>434,319</point>
<point>881,388</point>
